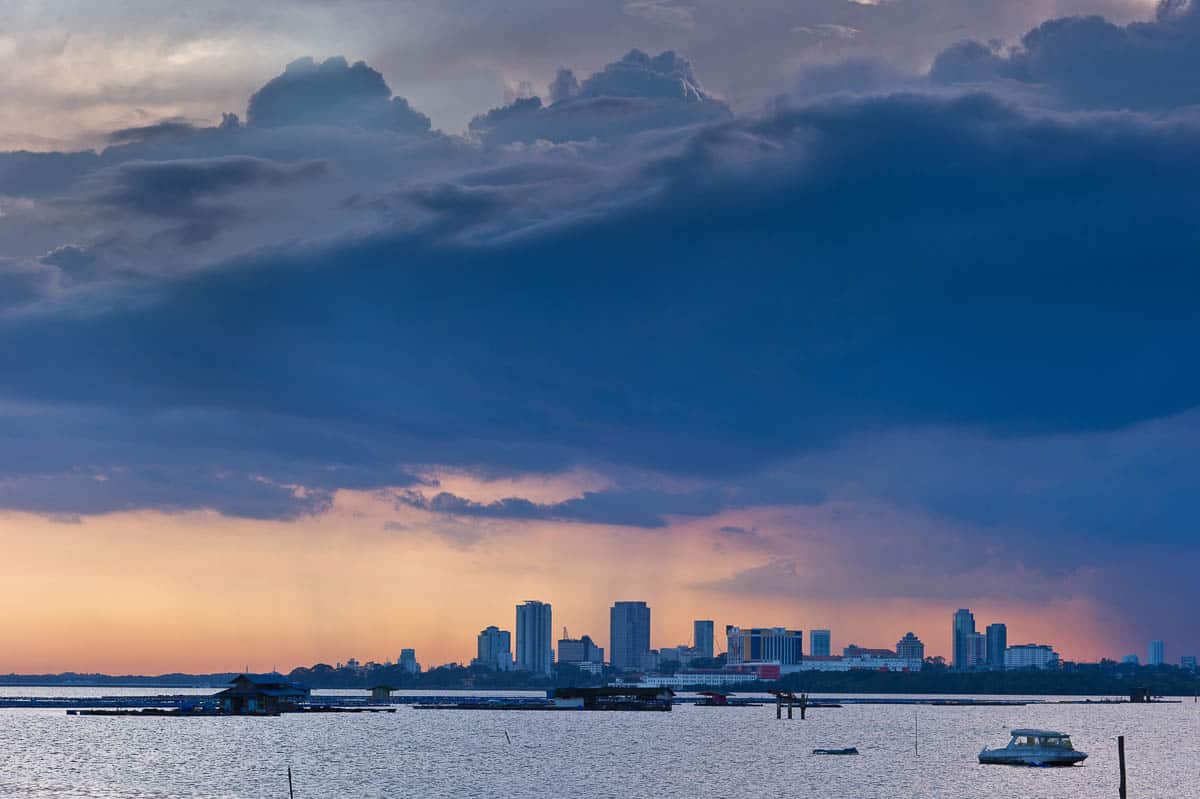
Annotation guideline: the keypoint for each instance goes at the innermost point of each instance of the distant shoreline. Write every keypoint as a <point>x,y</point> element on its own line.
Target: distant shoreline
<point>1082,681</point>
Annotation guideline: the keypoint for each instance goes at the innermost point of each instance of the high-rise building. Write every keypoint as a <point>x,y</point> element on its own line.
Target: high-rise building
<point>964,627</point>
<point>997,642</point>
<point>534,644</point>
<point>1155,653</point>
<point>910,648</point>
<point>818,643</point>
<point>579,650</point>
<point>764,645</point>
<point>408,661</point>
<point>977,644</point>
<point>495,649</point>
<point>702,637</point>
<point>629,635</point>
<point>1030,656</point>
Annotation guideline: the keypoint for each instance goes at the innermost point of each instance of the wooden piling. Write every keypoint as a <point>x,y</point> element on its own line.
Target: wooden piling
<point>1121,758</point>
<point>291,793</point>
<point>803,705</point>
<point>778,706</point>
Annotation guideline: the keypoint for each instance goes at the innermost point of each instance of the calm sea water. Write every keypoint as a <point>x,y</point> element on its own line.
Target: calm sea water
<point>690,752</point>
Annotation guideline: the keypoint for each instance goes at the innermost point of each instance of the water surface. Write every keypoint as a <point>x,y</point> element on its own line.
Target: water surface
<point>691,752</point>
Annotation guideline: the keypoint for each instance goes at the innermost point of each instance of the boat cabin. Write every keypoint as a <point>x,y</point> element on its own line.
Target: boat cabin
<point>1044,739</point>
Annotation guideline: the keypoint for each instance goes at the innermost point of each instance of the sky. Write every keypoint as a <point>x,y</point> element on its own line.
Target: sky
<point>331,328</point>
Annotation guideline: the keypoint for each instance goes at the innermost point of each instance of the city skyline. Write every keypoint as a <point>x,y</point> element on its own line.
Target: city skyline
<point>500,639</point>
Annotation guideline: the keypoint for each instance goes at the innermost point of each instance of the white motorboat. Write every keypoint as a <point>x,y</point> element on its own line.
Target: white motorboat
<point>1035,748</point>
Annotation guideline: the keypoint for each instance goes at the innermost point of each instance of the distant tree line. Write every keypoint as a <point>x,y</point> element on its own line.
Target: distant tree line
<point>1106,678</point>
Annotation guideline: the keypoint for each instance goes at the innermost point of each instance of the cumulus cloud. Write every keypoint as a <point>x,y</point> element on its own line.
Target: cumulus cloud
<point>636,93</point>
<point>1091,62</point>
<point>332,92</point>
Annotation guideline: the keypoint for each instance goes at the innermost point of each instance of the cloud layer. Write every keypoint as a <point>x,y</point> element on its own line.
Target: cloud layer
<point>944,315</point>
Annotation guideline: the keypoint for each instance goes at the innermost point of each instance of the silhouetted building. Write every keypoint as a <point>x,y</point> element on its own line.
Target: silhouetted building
<point>977,644</point>
<point>1188,662</point>
<point>753,645</point>
<point>1031,656</point>
<point>1154,657</point>
<point>629,636</point>
<point>408,661</point>
<point>250,694</point>
<point>964,628</point>
<point>1130,660</point>
<point>856,651</point>
<point>579,650</point>
<point>494,649</point>
<point>534,644</point>
<point>910,648</point>
<point>382,693</point>
<point>682,654</point>
<point>819,643</point>
<point>702,637</point>
<point>997,642</point>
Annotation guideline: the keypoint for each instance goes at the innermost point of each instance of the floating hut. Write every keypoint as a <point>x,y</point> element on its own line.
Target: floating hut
<point>382,693</point>
<point>252,695</point>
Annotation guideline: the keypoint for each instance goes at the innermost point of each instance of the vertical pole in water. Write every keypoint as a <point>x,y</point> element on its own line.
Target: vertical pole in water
<point>803,705</point>
<point>1121,757</point>
<point>778,706</point>
<point>790,702</point>
<point>916,746</point>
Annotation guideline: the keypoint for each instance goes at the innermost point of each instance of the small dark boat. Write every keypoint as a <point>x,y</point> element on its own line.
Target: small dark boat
<point>849,750</point>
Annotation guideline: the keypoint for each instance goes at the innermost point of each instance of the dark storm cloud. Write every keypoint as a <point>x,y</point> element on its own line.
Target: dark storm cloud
<point>754,306</point>
<point>332,93</point>
<point>1091,62</point>
<point>176,188</point>
<point>86,459</point>
<point>186,189</point>
<point>628,507</point>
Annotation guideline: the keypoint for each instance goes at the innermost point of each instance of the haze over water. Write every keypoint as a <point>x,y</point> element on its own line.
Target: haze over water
<point>690,752</point>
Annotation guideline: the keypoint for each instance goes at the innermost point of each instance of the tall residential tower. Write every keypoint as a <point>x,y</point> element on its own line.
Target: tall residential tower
<point>964,628</point>
<point>534,647</point>
<point>629,635</point>
<point>702,637</point>
<point>997,642</point>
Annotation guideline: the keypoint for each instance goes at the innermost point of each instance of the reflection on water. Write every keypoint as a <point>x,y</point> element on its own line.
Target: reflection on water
<point>690,752</point>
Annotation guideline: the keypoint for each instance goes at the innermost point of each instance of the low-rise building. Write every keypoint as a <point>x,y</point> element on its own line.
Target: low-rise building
<point>705,678</point>
<point>860,660</point>
<point>579,650</point>
<point>1031,656</point>
<point>910,648</point>
<point>751,645</point>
